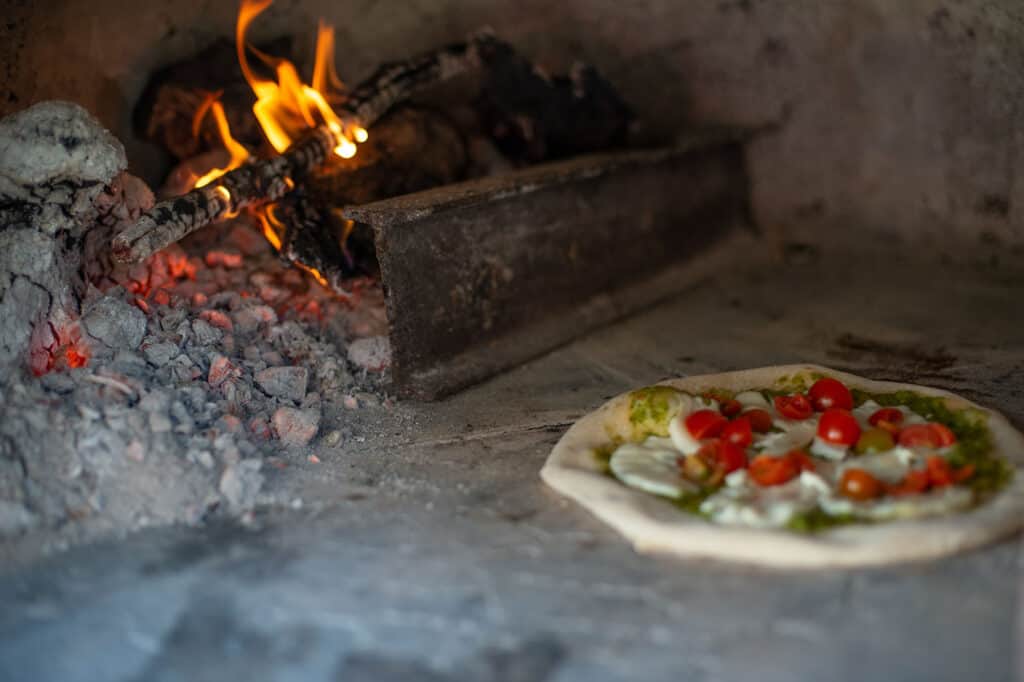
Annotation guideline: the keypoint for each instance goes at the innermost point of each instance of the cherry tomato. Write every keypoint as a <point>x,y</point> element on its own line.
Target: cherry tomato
<point>760,420</point>
<point>730,408</point>
<point>859,485</point>
<point>771,470</point>
<point>838,427</point>
<point>705,424</point>
<point>801,459</point>
<point>939,472</point>
<point>793,406</point>
<point>827,393</point>
<point>916,481</point>
<point>738,432</point>
<point>943,434</point>
<point>887,418</point>
<point>916,435</point>
<point>723,455</point>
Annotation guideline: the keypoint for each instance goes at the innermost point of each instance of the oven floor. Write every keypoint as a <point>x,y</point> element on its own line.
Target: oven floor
<point>426,547</point>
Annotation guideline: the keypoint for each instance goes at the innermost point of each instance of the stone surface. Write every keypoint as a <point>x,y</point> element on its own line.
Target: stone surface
<point>424,546</point>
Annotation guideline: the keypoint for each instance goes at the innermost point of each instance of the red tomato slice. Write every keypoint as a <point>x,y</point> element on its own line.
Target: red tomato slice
<point>769,470</point>
<point>760,420</point>
<point>738,432</point>
<point>887,415</point>
<point>801,459</point>
<point>793,406</point>
<point>917,435</point>
<point>730,408</point>
<point>939,472</point>
<point>838,427</point>
<point>731,457</point>
<point>828,393</point>
<point>705,424</point>
<point>916,481</point>
<point>943,434</point>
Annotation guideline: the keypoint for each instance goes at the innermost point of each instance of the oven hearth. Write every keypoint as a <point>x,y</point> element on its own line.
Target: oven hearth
<point>294,430</point>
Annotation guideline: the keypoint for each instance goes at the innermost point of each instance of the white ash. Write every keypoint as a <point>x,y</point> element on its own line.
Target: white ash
<point>169,383</point>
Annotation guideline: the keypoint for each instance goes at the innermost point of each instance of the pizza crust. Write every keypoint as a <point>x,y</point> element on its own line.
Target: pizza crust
<point>653,526</point>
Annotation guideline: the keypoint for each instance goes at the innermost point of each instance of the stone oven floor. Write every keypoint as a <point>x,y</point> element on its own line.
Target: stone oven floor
<point>426,547</point>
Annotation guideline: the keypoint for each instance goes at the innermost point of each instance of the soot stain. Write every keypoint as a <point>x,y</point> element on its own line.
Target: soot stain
<point>897,360</point>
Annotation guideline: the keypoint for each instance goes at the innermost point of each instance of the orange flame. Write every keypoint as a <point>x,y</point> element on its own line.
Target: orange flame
<point>288,107</point>
<point>239,154</point>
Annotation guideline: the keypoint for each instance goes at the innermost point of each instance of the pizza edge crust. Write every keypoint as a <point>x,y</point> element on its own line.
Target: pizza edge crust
<point>654,526</point>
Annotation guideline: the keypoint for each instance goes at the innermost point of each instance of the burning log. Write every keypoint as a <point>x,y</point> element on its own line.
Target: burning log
<point>269,179</point>
<point>412,149</point>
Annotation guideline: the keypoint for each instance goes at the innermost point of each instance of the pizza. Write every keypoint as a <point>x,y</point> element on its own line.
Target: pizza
<point>795,466</point>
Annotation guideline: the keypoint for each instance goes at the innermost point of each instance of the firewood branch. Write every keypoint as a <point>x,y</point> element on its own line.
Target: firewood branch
<point>266,180</point>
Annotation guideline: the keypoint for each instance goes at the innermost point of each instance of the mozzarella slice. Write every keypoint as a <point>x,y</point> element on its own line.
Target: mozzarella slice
<point>752,399</point>
<point>681,437</point>
<point>827,450</point>
<point>889,466</point>
<point>869,407</point>
<point>941,501</point>
<point>742,502</point>
<point>651,467</point>
<point>794,435</point>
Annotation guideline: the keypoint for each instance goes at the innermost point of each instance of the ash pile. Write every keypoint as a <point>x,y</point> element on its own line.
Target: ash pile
<point>159,392</point>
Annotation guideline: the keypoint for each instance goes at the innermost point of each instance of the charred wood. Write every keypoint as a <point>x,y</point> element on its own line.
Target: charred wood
<point>412,149</point>
<point>532,116</point>
<point>269,179</point>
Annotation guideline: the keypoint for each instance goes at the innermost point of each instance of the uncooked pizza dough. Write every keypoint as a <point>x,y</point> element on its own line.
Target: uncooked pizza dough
<point>642,512</point>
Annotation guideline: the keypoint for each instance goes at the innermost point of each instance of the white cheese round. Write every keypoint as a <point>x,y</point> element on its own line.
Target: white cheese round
<point>650,466</point>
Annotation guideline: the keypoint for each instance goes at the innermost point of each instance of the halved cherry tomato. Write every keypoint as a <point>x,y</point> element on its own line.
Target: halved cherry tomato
<point>709,465</point>
<point>916,435</point>
<point>705,424</point>
<point>802,460</point>
<point>939,472</point>
<point>916,481</point>
<point>771,470</point>
<point>827,393</point>
<point>760,420</point>
<point>738,432</point>
<point>730,408</point>
<point>859,485</point>
<point>793,406</point>
<point>943,434</point>
<point>838,427</point>
<point>888,418</point>
<point>723,454</point>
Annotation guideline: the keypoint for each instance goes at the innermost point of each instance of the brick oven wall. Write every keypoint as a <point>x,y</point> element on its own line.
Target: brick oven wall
<point>895,117</point>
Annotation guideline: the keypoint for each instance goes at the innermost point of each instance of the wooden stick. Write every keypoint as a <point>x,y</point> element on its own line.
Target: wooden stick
<point>269,179</point>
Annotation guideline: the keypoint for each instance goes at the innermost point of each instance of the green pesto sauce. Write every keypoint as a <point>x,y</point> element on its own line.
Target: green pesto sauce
<point>651,409</point>
<point>974,441</point>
